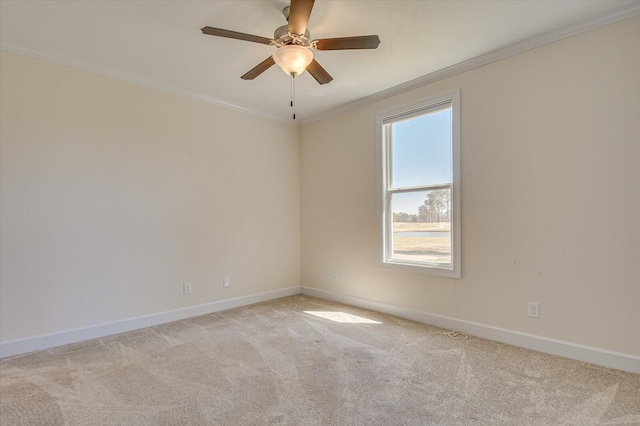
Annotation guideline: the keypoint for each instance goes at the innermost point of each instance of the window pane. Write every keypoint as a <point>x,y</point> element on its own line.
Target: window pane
<point>422,227</point>
<point>421,150</point>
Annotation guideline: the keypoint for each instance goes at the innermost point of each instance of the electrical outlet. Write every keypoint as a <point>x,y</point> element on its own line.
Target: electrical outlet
<point>534,310</point>
<point>186,288</point>
<point>226,282</point>
<point>334,277</point>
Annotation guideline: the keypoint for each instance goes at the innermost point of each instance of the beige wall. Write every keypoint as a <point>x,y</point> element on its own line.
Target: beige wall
<point>550,196</point>
<point>113,195</point>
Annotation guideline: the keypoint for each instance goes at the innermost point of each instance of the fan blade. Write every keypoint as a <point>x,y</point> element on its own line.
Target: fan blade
<point>235,35</point>
<point>299,13</point>
<point>259,69</point>
<point>318,72</point>
<point>342,43</point>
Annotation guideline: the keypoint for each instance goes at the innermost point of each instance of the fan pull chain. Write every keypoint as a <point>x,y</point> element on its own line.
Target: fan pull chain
<point>293,94</point>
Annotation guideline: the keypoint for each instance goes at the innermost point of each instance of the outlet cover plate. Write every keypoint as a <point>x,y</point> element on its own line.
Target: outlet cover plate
<point>186,288</point>
<point>534,310</point>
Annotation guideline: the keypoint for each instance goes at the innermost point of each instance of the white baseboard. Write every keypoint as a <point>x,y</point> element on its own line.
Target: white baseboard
<point>21,346</point>
<point>575,351</point>
<point>617,360</point>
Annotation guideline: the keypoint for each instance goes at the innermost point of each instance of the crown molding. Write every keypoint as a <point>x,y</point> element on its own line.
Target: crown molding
<point>119,75</point>
<point>487,58</point>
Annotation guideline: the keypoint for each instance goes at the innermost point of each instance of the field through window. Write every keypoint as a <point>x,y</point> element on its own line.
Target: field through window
<point>425,236</point>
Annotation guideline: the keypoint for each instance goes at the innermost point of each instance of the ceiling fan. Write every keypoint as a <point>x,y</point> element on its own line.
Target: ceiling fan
<point>294,51</point>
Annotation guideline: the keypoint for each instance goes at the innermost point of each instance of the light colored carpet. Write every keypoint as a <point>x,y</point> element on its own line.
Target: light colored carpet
<point>281,362</point>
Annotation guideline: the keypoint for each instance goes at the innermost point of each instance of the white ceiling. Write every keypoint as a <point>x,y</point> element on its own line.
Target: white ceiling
<point>160,43</point>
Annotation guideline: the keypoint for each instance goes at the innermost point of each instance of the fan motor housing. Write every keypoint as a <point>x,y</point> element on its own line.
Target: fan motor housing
<point>281,35</point>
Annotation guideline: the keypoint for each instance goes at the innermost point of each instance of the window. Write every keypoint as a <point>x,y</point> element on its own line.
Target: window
<point>420,158</point>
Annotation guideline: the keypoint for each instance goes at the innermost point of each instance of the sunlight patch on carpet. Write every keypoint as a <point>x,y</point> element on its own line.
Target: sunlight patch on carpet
<point>342,317</point>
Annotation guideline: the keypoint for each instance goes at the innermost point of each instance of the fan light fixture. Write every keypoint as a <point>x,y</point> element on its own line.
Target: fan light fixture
<point>293,59</point>
<point>294,46</point>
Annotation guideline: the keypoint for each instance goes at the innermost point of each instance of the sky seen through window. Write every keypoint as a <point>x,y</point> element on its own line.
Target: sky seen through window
<point>421,156</point>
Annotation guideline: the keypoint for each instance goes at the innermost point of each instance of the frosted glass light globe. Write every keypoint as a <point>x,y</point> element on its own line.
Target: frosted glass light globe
<point>293,59</point>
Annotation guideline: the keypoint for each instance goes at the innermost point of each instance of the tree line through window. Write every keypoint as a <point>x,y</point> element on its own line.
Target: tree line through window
<point>436,209</point>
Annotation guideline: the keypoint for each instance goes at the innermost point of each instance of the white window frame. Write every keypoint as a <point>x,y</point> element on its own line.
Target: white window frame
<point>384,183</point>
